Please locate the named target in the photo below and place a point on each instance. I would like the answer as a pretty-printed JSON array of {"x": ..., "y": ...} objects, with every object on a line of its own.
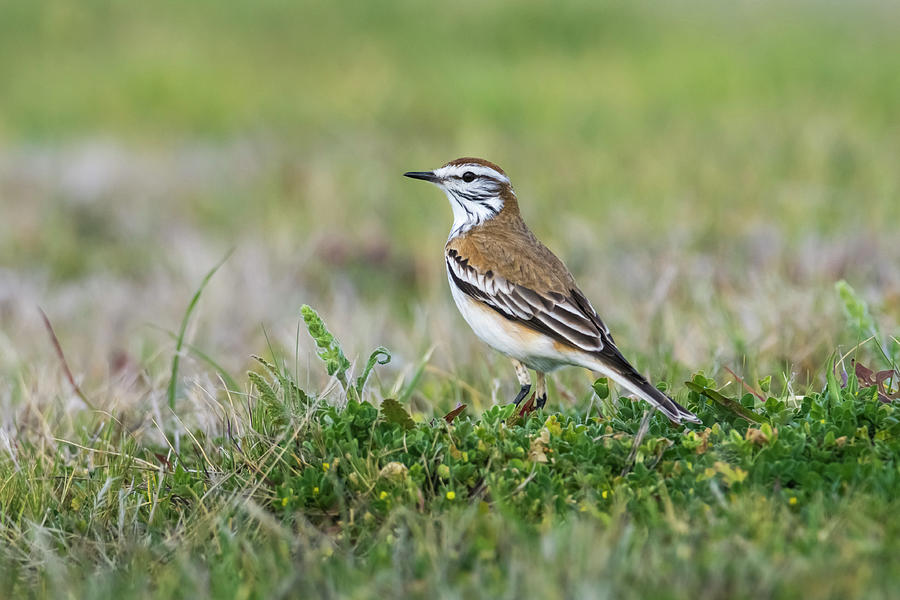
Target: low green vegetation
[
  {"x": 769, "y": 496},
  {"x": 721, "y": 179}
]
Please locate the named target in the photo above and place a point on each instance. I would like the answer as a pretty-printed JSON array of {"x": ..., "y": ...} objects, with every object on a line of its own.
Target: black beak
[{"x": 423, "y": 175}]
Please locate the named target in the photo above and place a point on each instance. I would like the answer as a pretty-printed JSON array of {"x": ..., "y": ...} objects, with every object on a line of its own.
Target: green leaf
[
  {"x": 601, "y": 388},
  {"x": 396, "y": 414}
]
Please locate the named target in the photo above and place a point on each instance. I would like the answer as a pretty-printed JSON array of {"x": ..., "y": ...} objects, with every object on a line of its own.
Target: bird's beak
[{"x": 423, "y": 175}]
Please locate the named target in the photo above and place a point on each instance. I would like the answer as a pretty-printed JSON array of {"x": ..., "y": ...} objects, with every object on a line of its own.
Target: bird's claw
[{"x": 523, "y": 391}]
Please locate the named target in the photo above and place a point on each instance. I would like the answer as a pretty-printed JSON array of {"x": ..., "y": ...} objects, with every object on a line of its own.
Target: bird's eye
[{"x": 468, "y": 176}]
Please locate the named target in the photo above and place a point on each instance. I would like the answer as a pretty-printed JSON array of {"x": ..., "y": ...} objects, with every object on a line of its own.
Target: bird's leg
[
  {"x": 540, "y": 391},
  {"x": 524, "y": 381}
]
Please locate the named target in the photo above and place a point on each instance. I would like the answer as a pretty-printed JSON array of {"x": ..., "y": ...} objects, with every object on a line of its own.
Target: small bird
[{"x": 517, "y": 296}]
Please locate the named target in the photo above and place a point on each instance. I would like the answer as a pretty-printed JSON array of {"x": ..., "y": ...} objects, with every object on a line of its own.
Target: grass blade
[
  {"x": 62, "y": 360},
  {"x": 179, "y": 342},
  {"x": 724, "y": 401}
]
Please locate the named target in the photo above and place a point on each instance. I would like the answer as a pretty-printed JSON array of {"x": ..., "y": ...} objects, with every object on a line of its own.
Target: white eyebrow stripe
[{"x": 480, "y": 170}]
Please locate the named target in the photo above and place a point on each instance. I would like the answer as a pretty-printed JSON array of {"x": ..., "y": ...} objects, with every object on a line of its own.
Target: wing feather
[{"x": 569, "y": 319}]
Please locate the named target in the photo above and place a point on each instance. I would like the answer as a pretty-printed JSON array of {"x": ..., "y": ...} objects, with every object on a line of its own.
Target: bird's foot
[
  {"x": 523, "y": 391},
  {"x": 541, "y": 401}
]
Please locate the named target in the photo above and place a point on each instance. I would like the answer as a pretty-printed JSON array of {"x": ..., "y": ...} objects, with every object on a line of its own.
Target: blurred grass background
[{"x": 707, "y": 172}]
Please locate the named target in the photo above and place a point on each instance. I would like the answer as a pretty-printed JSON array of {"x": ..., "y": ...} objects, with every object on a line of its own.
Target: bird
[{"x": 517, "y": 296}]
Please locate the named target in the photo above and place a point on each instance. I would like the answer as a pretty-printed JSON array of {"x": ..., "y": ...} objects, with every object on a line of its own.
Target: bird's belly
[{"x": 509, "y": 337}]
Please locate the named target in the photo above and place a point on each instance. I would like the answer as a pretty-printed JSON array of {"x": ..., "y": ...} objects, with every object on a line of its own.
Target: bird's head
[{"x": 477, "y": 189}]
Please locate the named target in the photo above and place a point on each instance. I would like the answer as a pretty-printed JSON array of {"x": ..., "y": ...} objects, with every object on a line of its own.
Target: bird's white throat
[{"x": 468, "y": 214}]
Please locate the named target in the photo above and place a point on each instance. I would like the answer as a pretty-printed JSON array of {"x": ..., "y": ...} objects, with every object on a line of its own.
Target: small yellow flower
[
  {"x": 792, "y": 500},
  {"x": 383, "y": 495},
  {"x": 284, "y": 501},
  {"x": 325, "y": 466},
  {"x": 604, "y": 493},
  {"x": 451, "y": 495},
  {"x": 316, "y": 491}
]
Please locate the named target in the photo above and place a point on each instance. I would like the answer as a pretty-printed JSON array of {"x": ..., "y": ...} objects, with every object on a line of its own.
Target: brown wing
[{"x": 563, "y": 314}]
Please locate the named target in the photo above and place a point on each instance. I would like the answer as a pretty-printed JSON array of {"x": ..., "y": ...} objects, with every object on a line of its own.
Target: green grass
[
  {"x": 293, "y": 494},
  {"x": 722, "y": 182}
]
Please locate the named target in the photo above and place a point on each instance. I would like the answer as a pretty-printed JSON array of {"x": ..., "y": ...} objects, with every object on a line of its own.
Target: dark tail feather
[
  {"x": 613, "y": 364},
  {"x": 674, "y": 411}
]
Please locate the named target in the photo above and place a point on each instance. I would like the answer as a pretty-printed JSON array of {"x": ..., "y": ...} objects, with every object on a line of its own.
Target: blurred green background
[{"x": 707, "y": 172}]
